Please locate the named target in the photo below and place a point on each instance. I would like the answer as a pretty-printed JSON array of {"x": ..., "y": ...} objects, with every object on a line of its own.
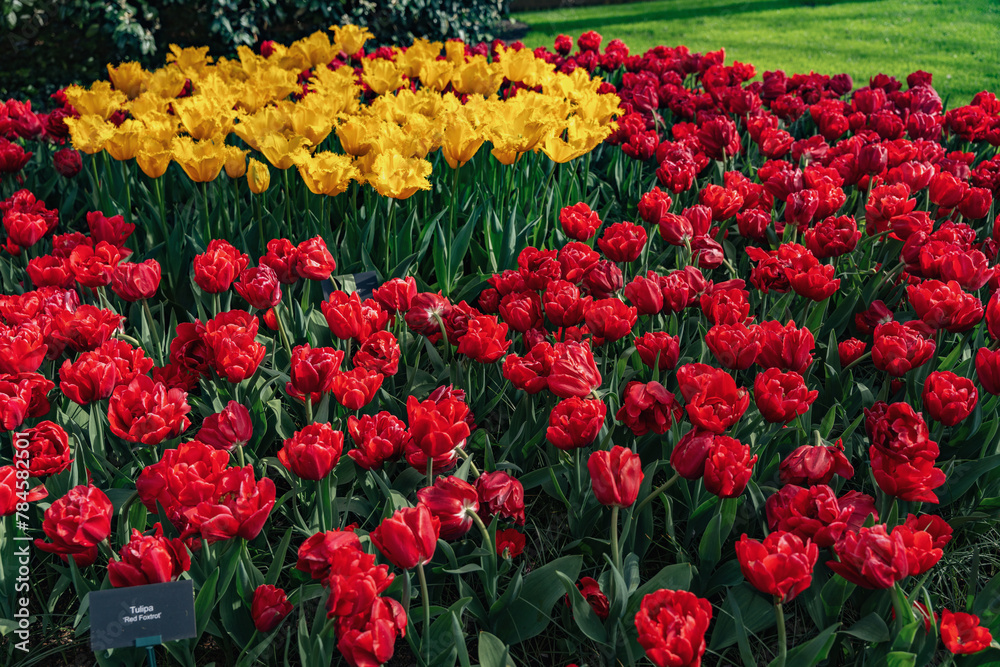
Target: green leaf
[
  {"x": 673, "y": 577},
  {"x": 963, "y": 476},
  {"x": 741, "y": 632},
  {"x": 757, "y": 612},
  {"x": 204, "y": 603},
  {"x": 493, "y": 652},
  {"x": 871, "y": 628},
  {"x": 813, "y": 651},
  {"x": 900, "y": 659},
  {"x": 583, "y": 613},
  {"x": 529, "y": 614}
]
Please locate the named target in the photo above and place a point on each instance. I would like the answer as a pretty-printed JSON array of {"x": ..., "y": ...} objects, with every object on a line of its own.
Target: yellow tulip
[
  {"x": 269, "y": 120},
  {"x": 461, "y": 141},
  {"x": 99, "y": 99},
  {"x": 350, "y": 38},
  {"x": 355, "y": 136},
  {"x": 236, "y": 162},
  {"x": 581, "y": 139},
  {"x": 381, "y": 75},
  {"x": 201, "y": 160},
  {"x": 399, "y": 177},
  {"x": 282, "y": 151},
  {"x": 166, "y": 82},
  {"x": 436, "y": 74},
  {"x": 258, "y": 176},
  {"x": 311, "y": 119},
  {"x": 89, "y": 133},
  {"x": 308, "y": 52},
  {"x": 123, "y": 144},
  {"x": 420, "y": 52},
  {"x": 154, "y": 156},
  {"x": 327, "y": 173},
  {"x": 477, "y": 76},
  {"x": 204, "y": 117},
  {"x": 191, "y": 60},
  {"x": 128, "y": 78},
  {"x": 455, "y": 52}
]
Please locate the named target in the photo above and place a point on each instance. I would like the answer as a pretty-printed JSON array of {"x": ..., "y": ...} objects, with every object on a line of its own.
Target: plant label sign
[{"x": 120, "y": 616}]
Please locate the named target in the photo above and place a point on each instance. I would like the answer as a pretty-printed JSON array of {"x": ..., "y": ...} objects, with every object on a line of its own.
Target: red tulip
[
  {"x": 485, "y": 341},
  {"x": 368, "y": 638},
  {"x": 871, "y": 557},
  {"x": 563, "y": 305},
  {"x": 654, "y": 205},
  {"x": 269, "y": 607},
  {"x": 354, "y": 582},
  {"x": 575, "y": 422},
  {"x": 672, "y": 627},
  {"x": 787, "y": 348},
  {"x": 377, "y": 439},
  {"x": 437, "y": 429},
  {"x": 356, "y": 388},
  {"x": 113, "y": 229},
  {"x": 645, "y": 294},
  {"x": 239, "y": 507},
  {"x": 282, "y": 257},
  {"x": 648, "y": 407},
  {"x": 76, "y": 524},
  {"x": 312, "y": 452},
  {"x": 924, "y": 537},
  {"x": 615, "y": 476},
  {"x": 781, "y": 565},
  {"x": 962, "y": 634},
  {"x": 259, "y": 287},
  {"x": 146, "y": 412},
  {"x": 316, "y": 552},
  {"x": 48, "y": 449},
  {"x": 945, "y": 306},
  {"x": 781, "y": 397},
  {"x": 67, "y": 162},
  {"x": 522, "y": 310},
  {"x": 813, "y": 513},
  {"x": 502, "y": 495},
  {"x": 728, "y": 467},
  {"x": 579, "y": 222},
  {"x": 595, "y": 597},
  {"x": 898, "y": 348},
  {"x": 313, "y": 370},
  {"x": 815, "y": 464},
  {"x": 949, "y": 398},
  {"x": 622, "y": 242},
  {"x": 227, "y": 429},
  {"x": 313, "y": 260},
  {"x": 149, "y": 559},
  {"x": 572, "y": 371},
  {"x": 735, "y": 346},
  {"x": 96, "y": 374},
  {"x": 134, "y": 282},
  {"x": 510, "y": 543},
  {"x": 217, "y": 267},
  {"x": 396, "y": 295},
  {"x": 453, "y": 502},
  {"x": 409, "y": 537},
  {"x": 230, "y": 338},
  {"x": 988, "y": 369},
  {"x": 914, "y": 479},
  {"x": 658, "y": 349}
]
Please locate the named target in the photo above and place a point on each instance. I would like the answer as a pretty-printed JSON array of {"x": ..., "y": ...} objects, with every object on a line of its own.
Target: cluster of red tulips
[{"x": 758, "y": 350}]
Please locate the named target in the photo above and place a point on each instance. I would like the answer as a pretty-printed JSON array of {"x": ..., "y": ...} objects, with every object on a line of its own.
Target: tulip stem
[
  {"x": 615, "y": 551},
  {"x": 281, "y": 329},
  {"x": 657, "y": 491},
  {"x": 465, "y": 455},
  {"x": 425, "y": 600},
  {"x": 779, "y": 616},
  {"x": 126, "y": 182},
  {"x": 321, "y": 501},
  {"x": 246, "y": 648},
  {"x": 288, "y": 202},
  {"x": 204, "y": 210},
  {"x": 309, "y": 410},
  {"x": 863, "y": 357}
]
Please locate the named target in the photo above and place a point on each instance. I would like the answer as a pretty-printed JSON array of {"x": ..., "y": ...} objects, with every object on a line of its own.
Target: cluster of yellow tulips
[{"x": 387, "y": 116}]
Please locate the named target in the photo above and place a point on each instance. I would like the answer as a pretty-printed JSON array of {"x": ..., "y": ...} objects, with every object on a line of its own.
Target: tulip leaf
[
  {"x": 871, "y": 628},
  {"x": 757, "y": 613},
  {"x": 530, "y": 613},
  {"x": 742, "y": 640},
  {"x": 900, "y": 659},
  {"x": 813, "y": 651},
  {"x": 963, "y": 476},
  {"x": 204, "y": 603},
  {"x": 493, "y": 652},
  {"x": 583, "y": 614}
]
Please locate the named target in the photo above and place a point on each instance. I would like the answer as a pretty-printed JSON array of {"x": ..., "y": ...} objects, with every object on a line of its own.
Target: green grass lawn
[{"x": 956, "y": 40}]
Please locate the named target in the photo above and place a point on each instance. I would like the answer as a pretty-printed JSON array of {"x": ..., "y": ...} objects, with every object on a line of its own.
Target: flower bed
[{"x": 657, "y": 359}]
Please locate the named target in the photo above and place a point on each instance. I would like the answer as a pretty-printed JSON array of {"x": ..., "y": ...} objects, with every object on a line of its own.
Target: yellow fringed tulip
[
  {"x": 258, "y": 176},
  {"x": 201, "y": 160}
]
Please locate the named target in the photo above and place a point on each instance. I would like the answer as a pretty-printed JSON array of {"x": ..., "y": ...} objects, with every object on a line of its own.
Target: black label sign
[{"x": 120, "y": 616}]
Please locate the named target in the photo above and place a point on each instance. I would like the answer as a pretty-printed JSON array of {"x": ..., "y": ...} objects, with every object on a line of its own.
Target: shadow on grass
[{"x": 639, "y": 12}]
